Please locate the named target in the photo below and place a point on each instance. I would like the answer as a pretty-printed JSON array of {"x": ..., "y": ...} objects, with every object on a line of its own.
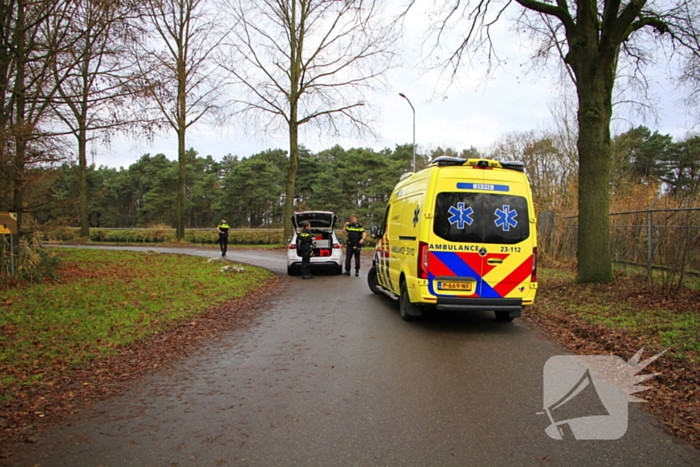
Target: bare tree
[
  {"x": 589, "y": 36},
  {"x": 305, "y": 61},
  {"x": 548, "y": 168},
  {"x": 179, "y": 75},
  {"x": 32, "y": 35},
  {"x": 91, "y": 98},
  {"x": 690, "y": 76},
  {"x": 564, "y": 131}
]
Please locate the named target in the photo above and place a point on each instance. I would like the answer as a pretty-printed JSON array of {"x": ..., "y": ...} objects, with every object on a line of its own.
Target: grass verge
[
  {"x": 103, "y": 301},
  {"x": 619, "y": 319},
  {"x": 629, "y": 305}
]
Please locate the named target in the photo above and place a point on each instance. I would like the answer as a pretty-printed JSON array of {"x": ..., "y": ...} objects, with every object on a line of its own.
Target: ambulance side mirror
[{"x": 374, "y": 232}]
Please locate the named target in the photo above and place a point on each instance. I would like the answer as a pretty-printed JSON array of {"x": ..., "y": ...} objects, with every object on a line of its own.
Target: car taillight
[
  {"x": 533, "y": 276},
  {"x": 292, "y": 246},
  {"x": 336, "y": 246},
  {"x": 422, "y": 260}
]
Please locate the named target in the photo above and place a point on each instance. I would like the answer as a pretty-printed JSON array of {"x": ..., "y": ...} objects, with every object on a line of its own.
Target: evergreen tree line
[
  {"x": 654, "y": 159},
  {"x": 249, "y": 192}
]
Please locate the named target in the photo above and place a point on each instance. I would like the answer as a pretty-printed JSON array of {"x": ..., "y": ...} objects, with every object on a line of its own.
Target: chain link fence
[{"x": 658, "y": 239}]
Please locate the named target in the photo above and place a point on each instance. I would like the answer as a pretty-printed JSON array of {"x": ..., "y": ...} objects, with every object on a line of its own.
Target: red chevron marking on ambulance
[{"x": 515, "y": 278}]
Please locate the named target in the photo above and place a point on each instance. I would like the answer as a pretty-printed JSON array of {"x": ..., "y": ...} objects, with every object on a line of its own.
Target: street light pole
[{"x": 414, "y": 129}]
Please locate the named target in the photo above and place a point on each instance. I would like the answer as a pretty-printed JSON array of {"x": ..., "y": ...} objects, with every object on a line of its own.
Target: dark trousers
[
  {"x": 352, "y": 250},
  {"x": 305, "y": 262},
  {"x": 223, "y": 243}
]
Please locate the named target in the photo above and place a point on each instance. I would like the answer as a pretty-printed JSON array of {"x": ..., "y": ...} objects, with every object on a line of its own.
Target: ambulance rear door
[
  {"x": 480, "y": 245},
  {"x": 509, "y": 234}
]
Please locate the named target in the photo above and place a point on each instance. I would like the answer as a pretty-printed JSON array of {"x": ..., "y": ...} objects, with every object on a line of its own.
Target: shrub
[
  {"x": 31, "y": 262},
  {"x": 202, "y": 236},
  {"x": 255, "y": 237},
  {"x": 98, "y": 235},
  {"x": 159, "y": 233},
  {"x": 163, "y": 233},
  {"x": 60, "y": 230}
]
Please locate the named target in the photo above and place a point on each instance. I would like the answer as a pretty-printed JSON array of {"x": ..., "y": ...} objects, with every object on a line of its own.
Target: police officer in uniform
[
  {"x": 222, "y": 228},
  {"x": 356, "y": 238},
  {"x": 304, "y": 245}
]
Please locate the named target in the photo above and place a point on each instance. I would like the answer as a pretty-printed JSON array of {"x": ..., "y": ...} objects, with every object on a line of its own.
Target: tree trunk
[
  {"x": 19, "y": 130},
  {"x": 18, "y": 184},
  {"x": 181, "y": 153},
  {"x": 593, "y": 254},
  {"x": 291, "y": 175},
  {"x": 595, "y": 68},
  {"x": 181, "y": 180},
  {"x": 82, "y": 182},
  {"x": 295, "y": 46}
]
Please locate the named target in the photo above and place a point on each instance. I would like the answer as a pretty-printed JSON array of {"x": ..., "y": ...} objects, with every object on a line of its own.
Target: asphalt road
[{"x": 331, "y": 376}]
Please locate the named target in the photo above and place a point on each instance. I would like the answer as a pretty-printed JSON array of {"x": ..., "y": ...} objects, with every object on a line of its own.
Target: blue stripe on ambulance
[{"x": 461, "y": 269}]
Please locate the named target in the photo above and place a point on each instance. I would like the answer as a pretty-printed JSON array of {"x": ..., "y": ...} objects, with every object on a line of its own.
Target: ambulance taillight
[
  {"x": 533, "y": 276},
  {"x": 422, "y": 260}
]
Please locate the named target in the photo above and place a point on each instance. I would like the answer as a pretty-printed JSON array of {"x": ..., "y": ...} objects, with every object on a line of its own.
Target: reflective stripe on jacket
[
  {"x": 355, "y": 232},
  {"x": 304, "y": 240}
]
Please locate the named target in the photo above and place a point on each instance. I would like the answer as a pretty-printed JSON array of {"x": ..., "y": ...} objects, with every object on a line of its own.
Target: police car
[{"x": 326, "y": 253}]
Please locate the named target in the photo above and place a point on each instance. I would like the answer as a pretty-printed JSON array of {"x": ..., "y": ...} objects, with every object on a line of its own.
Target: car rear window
[
  {"x": 316, "y": 220},
  {"x": 481, "y": 218}
]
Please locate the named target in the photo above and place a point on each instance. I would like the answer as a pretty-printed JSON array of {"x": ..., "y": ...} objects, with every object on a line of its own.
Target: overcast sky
[{"x": 474, "y": 112}]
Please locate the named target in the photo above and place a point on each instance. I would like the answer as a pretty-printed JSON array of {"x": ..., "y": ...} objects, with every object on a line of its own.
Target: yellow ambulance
[{"x": 458, "y": 235}]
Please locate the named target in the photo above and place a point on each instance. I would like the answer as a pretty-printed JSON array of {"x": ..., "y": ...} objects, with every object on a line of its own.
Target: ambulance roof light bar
[
  {"x": 447, "y": 160},
  {"x": 452, "y": 161},
  {"x": 513, "y": 165},
  {"x": 443, "y": 161}
]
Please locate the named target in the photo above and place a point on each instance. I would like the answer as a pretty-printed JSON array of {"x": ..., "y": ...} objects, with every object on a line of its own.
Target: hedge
[{"x": 160, "y": 234}]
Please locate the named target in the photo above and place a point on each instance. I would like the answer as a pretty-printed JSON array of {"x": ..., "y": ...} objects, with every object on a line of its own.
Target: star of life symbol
[
  {"x": 460, "y": 216},
  {"x": 415, "y": 215},
  {"x": 585, "y": 397},
  {"x": 505, "y": 218}
]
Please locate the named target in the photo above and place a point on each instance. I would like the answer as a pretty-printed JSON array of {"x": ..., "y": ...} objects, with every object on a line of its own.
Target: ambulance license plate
[{"x": 465, "y": 286}]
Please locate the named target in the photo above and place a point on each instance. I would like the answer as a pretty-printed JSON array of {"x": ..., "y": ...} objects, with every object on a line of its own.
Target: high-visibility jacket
[
  {"x": 355, "y": 232},
  {"x": 304, "y": 240},
  {"x": 224, "y": 228}
]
